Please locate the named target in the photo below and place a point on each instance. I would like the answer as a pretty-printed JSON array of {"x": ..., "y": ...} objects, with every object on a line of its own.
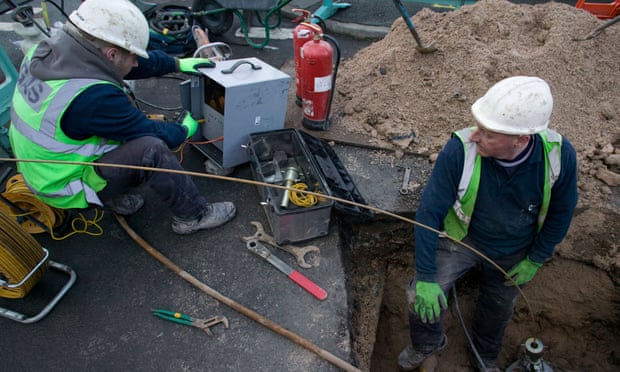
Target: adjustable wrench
[
  {"x": 298, "y": 252},
  {"x": 259, "y": 249}
]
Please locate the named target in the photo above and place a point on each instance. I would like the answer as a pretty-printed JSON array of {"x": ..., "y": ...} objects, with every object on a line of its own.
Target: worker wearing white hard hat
[
  {"x": 118, "y": 22},
  {"x": 70, "y": 105},
  {"x": 506, "y": 187}
]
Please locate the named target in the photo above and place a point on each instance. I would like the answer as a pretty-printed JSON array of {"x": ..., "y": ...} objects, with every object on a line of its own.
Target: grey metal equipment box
[
  {"x": 283, "y": 155},
  {"x": 237, "y": 97}
]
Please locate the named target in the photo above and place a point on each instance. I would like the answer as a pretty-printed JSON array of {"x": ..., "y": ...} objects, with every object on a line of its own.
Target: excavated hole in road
[{"x": 575, "y": 307}]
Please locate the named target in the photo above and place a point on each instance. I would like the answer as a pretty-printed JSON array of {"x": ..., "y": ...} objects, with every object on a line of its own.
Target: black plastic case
[{"x": 274, "y": 155}]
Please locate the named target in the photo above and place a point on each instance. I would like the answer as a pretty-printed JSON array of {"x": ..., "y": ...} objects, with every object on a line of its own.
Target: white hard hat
[
  {"x": 517, "y": 105},
  {"x": 118, "y": 22}
]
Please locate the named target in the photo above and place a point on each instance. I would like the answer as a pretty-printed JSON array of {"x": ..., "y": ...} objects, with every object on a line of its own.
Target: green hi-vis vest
[
  {"x": 457, "y": 221},
  {"x": 35, "y": 133}
]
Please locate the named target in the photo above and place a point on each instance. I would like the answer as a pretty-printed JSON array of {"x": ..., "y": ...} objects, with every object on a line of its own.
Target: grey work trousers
[
  {"x": 177, "y": 191},
  {"x": 494, "y": 306}
]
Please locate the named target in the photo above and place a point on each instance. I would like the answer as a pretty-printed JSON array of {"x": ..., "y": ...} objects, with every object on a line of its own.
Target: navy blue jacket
[
  {"x": 106, "y": 111},
  {"x": 504, "y": 220}
]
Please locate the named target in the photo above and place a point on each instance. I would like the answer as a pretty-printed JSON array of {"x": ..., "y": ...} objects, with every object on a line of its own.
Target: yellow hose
[{"x": 20, "y": 253}]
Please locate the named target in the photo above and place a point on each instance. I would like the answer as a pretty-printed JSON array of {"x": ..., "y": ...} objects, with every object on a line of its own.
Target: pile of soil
[{"x": 398, "y": 98}]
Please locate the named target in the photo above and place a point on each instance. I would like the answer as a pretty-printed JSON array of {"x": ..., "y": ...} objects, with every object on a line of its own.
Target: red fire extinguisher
[
  {"x": 318, "y": 78},
  {"x": 302, "y": 33}
]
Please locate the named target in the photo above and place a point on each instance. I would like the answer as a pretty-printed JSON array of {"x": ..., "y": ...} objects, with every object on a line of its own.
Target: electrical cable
[
  {"x": 301, "y": 199},
  {"x": 130, "y": 92},
  {"x": 18, "y": 194},
  {"x": 152, "y": 105},
  {"x": 190, "y": 142},
  {"x": 334, "y": 198},
  {"x": 20, "y": 254},
  {"x": 467, "y": 335},
  {"x": 24, "y": 15}
]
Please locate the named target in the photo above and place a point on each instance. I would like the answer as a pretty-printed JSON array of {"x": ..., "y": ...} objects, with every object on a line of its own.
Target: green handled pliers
[{"x": 181, "y": 318}]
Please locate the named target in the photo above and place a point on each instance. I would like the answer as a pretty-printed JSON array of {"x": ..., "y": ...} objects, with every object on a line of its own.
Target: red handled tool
[{"x": 259, "y": 249}]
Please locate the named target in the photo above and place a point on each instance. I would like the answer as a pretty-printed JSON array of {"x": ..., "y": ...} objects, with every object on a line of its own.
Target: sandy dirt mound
[
  {"x": 402, "y": 99},
  {"x": 398, "y": 98}
]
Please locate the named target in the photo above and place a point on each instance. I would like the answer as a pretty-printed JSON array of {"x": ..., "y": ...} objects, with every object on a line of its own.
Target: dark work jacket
[
  {"x": 102, "y": 110},
  {"x": 106, "y": 111},
  {"x": 504, "y": 220}
]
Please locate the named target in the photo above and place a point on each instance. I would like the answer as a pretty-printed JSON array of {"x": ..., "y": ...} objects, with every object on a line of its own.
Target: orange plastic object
[{"x": 601, "y": 9}]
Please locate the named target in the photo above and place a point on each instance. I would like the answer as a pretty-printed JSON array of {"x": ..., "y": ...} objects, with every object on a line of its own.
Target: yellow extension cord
[
  {"x": 20, "y": 253},
  {"x": 302, "y": 199},
  {"x": 20, "y": 195}
]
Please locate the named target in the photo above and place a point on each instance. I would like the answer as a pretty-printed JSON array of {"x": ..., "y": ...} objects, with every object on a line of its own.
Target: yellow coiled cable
[
  {"x": 20, "y": 253},
  {"x": 301, "y": 199},
  {"x": 20, "y": 195}
]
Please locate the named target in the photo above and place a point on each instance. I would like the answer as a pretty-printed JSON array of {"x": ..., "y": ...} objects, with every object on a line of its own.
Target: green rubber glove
[
  {"x": 429, "y": 301},
  {"x": 190, "y": 123},
  {"x": 190, "y": 65},
  {"x": 522, "y": 272}
]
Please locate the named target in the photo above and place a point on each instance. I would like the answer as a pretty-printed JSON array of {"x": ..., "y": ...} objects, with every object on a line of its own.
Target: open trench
[{"x": 572, "y": 307}]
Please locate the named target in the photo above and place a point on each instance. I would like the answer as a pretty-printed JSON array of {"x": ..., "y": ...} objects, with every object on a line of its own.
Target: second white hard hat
[
  {"x": 118, "y": 22},
  {"x": 517, "y": 105}
]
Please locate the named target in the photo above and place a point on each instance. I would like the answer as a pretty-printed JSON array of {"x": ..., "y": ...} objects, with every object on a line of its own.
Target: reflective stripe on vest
[
  {"x": 457, "y": 221},
  {"x": 35, "y": 133},
  {"x": 57, "y": 105}
]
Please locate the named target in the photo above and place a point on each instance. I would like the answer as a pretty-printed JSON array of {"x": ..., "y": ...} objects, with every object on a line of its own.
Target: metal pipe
[{"x": 290, "y": 175}]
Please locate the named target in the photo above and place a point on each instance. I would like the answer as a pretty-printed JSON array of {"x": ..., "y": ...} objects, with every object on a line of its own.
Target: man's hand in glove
[
  {"x": 189, "y": 123},
  {"x": 190, "y": 65},
  {"x": 522, "y": 272},
  {"x": 429, "y": 301}
]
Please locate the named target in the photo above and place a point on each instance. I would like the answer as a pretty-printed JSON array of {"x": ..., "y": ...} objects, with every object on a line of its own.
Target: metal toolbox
[
  {"x": 281, "y": 157},
  {"x": 237, "y": 97}
]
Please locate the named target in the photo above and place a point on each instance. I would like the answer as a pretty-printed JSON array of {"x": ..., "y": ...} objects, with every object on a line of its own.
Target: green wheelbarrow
[{"x": 217, "y": 16}]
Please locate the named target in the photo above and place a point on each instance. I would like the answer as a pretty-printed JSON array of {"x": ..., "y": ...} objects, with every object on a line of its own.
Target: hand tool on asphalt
[
  {"x": 244, "y": 310},
  {"x": 298, "y": 252},
  {"x": 204, "y": 324},
  {"x": 259, "y": 249},
  {"x": 421, "y": 48},
  {"x": 404, "y": 189}
]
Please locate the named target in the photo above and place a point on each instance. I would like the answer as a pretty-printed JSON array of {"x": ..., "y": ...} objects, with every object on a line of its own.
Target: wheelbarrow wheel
[{"x": 218, "y": 22}]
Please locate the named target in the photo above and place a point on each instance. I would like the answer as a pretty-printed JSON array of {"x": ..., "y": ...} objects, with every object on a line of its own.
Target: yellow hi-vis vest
[
  {"x": 456, "y": 223},
  {"x": 35, "y": 133}
]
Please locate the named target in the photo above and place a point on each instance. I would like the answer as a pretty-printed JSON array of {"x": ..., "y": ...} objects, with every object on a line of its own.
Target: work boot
[
  {"x": 213, "y": 215},
  {"x": 125, "y": 204},
  {"x": 410, "y": 359}
]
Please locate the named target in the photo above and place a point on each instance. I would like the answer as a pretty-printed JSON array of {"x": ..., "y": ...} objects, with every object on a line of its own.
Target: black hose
[
  {"x": 24, "y": 15},
  {"x": 336, "y": 64},
  {"x": 467, "y": 335}
]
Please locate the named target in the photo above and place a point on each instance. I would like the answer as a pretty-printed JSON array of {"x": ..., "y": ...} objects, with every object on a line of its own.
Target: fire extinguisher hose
[{"x": 336, "y": 64}]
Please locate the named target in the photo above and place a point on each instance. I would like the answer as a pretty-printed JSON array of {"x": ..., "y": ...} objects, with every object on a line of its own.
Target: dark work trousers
[
  {"x": 177, "y": 191},
  {"x": 494, "y": 306}
]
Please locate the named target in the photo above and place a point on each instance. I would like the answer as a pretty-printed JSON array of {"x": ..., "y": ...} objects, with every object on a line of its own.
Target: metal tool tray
[{"x": 271, "y": 154}]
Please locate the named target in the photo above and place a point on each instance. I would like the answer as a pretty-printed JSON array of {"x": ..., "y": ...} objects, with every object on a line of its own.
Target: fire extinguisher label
[{"x": 322, "y": 84}]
